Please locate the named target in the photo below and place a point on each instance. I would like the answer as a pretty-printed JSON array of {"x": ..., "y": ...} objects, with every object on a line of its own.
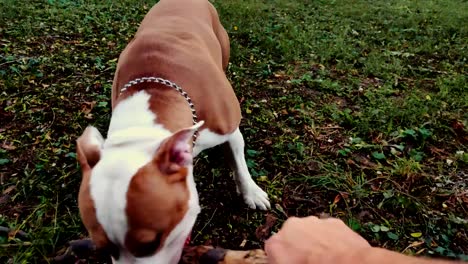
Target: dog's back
[{"x": 184, "y": 41}]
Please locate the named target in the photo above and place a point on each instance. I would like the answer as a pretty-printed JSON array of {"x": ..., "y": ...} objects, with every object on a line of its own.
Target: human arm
[{"x": 311, "y": 240}]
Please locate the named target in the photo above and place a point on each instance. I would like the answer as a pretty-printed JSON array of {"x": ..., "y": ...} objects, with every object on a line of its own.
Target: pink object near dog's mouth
[{"x": 187, "y": 241}]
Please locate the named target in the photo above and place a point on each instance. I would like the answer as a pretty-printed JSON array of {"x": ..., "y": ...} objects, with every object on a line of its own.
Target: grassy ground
[{"x": 356, "y": 109}]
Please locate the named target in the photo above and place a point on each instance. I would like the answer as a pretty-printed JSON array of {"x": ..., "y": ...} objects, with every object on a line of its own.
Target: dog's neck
[
  {"x": 135, "y": 135},
  {"x": 157, "y": 105}
]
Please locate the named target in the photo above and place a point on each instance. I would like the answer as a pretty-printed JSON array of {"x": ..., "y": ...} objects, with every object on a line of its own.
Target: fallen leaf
[
  {"x": 9, "y": 189},
  {"x": 87, "y": 107},
  {"x": 416, "y": 234},
  {"x": 375, "y": 228},
  {"x": 337, "y": 199},
  {"x": 384, "y": 229},
  {"x": 365, "y": 162},
  {"x": 5, "y": 199},
  {"x": 263, "y": 231},
  {"x": 392, "y": 236},
  {"x": 243, "y": 243},
  {"x": 378, "y": 155},
  {"x": 8, "y": 146},
  {"x": 279, "y": 75},
  {"x": 420, "y": 251},
  {"x": 263, "y": 178},
  {"x": 279, "y": 208},
  {"x": 458, "y": 126}
]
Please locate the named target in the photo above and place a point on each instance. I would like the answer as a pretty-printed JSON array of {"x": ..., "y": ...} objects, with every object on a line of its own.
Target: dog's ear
[
  {"x": 88, "y": 147},
  {"x": 175, "y": 152}
]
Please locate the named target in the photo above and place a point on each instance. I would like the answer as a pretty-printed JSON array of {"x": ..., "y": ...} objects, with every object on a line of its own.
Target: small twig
[
  {"x": 210, "y": 255},
  {"x": 6, "y": 231},
  {"x": 7, "y": 62},
  {"x": 16, "y": 245},
  {"x": 207, "y": 223},
  {"x": 15, "y": 60},
  {"x": 299, "y": 199},
  {"x": 331, "y": 127},
  {"x": 77, "y": 249}
]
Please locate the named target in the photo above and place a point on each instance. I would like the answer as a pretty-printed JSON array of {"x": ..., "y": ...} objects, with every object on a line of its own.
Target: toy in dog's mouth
[{"x": 85, "y": 249}]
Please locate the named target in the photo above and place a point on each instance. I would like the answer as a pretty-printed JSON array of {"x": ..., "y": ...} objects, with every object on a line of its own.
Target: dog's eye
[{"x": 147, "y": 249}]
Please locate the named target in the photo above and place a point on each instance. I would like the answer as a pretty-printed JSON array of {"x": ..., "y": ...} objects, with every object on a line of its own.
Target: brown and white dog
[{"x": 138, "y": 198}]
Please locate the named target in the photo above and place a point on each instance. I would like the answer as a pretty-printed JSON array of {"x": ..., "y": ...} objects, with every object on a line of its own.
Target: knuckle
[
  {"x": 292, "y": 220},
  {"x": 335, "y": 221}
]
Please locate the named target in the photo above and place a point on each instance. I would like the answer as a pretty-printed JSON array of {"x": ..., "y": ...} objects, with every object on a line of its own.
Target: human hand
[{"x": 312, "y": 240}]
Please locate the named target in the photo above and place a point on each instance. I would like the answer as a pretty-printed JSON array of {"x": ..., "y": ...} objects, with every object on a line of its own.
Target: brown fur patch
[
  {"x": 88, "y": 214},
  {"x": 156, "y": 203},
  {"x": 88, "y": 156}
]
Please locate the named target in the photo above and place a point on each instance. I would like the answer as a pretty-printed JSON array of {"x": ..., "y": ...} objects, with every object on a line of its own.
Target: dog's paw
[{"x": 255, "y": 197}]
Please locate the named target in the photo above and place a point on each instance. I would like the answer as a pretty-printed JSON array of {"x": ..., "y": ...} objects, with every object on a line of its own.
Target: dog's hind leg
[{"x": 253, "y": 195}]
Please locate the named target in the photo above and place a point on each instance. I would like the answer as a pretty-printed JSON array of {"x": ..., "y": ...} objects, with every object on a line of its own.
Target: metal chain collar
[{"x": 172, "y": 85}]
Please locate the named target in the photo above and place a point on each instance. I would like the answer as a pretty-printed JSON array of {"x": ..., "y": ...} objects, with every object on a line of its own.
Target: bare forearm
[{"x": 383, "y": 256}]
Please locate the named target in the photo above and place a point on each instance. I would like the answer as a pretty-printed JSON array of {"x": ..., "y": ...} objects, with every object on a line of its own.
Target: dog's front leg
[{"x": 253, "y": 195}]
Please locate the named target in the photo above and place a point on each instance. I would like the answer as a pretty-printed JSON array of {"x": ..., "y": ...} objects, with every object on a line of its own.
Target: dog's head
[{"x": 138, "y": 200}]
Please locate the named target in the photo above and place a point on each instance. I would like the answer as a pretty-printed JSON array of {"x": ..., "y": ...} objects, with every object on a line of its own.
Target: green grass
[{"x": 357, "y": 109}]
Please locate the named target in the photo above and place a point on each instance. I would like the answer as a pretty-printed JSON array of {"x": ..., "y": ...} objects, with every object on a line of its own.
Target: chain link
[{"x": 169, "y": 84}]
